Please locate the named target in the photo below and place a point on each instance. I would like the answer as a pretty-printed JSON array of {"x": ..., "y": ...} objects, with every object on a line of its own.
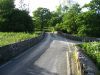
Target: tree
[
  {"x": 14, "y": 20},
  {"x": 17, "y": 21},
  {"x": 6, "y": 5},
  {"x": 65, "y": 9},
  {"x": 89, "y": 22},
  {"x": 59, "y": 10},
  {"x": 43, "y": 16},
  {"x": 69, "y": 19},
  {"x": 55, "y": 19},
  {"x": 82, "y": 23},
  {"x": 93, "y": 5},
  {"x": 58, "y": 14}
]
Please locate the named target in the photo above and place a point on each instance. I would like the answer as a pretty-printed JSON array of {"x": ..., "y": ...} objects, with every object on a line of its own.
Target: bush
[
  {"x": 16, "y": 21},
  {"x": 88, "y": 22},
  {"x": 93, "y": 51}
]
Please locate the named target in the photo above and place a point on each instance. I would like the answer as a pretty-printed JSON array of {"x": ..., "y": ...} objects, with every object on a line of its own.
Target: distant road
[{"x": 46, "y": 58}]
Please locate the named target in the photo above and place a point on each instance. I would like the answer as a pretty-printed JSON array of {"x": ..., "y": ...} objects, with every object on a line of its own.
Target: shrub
[
  {"x": 93, "y": 51},
  {"x": 16, "y": 21}
]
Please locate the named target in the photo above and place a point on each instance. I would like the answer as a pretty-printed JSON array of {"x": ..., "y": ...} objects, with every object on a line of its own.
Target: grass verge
[{"x": 13, "y": 37}]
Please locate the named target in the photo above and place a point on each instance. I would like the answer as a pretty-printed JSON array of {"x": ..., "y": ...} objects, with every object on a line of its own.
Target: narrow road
[{"x": 46, "y": 58}]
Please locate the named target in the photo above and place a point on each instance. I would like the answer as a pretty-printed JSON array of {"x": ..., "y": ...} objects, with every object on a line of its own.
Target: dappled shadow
[{"x": 36, "y": 70}]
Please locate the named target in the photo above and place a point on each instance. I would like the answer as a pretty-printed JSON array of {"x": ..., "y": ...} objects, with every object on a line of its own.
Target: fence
[
  {"x": 77, "y": 38},
  {"x": 9, "y": 51}
]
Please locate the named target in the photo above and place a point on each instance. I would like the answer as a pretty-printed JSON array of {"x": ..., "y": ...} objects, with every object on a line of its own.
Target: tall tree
[
  {"x": 69, "y": 19},
  {"x": 55, "y": 19},
  {"x": 57, "y": 16},
  {"x": 89, "y": 21},
  {"x": 12, "y": 19},
  {"x": 93, "y": 5},
  {"x": 43, "y": 16},
  {"x": 6, "y": 7},
  {"x": 59, "y": 10},
  {"x": 6, "y": 4}
]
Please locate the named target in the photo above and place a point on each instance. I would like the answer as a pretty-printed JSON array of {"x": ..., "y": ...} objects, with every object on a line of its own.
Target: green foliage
[
  {"x": 59, "y": 10},
  {"x": 69, "y": 19},
  {"x": 12, "y": 37},
  {"x": 93, "y": 51},
  {"x": 42, "y": 16},
  {"x": 14, "y": 20},
  {"x": 82, "y": 23},
  {"x": 61, "y": 27},
  {"x": 93, "y": 5},
  {"x": 55, "y": 18},
  {"x": 6, "y": 5},
  {"x": 88, "y": 22}
]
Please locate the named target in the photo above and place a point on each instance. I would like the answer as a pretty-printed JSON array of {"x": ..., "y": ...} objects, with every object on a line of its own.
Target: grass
[
  {"x": 13, "y": 37},
  {"x": 76, "y": 63},
  {"x": 93, "y": 51}
]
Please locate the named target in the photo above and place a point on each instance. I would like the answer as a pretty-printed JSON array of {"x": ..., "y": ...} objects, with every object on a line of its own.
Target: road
[{"x": 46, "y": 58}]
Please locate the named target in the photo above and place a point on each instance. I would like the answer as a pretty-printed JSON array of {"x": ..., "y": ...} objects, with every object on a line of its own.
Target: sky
[
  {"x": 50, "y": 4},
  {"x": 82, "y": 2}
]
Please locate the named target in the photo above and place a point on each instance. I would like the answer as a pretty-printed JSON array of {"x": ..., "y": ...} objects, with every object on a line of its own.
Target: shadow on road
[
  {"x": 36, "y": 70},
  {"x": 53, "y": 47}
]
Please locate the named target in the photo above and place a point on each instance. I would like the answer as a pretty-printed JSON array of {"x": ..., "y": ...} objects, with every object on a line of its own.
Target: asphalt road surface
[{"x": 46, "y": 58}]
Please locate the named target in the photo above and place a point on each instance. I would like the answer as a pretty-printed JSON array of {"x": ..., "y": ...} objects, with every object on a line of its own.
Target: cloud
[
  {"x": 50, "y": 4},
  {"x": 82, "y": 2}
]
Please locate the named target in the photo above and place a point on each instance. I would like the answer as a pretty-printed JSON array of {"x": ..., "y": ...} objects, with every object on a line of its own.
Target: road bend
[{"x": 46, "y": 58}]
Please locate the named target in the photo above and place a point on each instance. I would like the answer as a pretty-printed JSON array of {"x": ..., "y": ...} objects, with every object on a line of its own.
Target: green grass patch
[
  {"x": 93, "y": 51},
  {"x": 13, "y": 37}
]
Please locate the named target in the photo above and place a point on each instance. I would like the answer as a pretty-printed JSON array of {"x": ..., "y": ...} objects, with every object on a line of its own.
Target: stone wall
[
  {"x": 9, "y": 51},
  {"x": 77, "y": 38}
]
